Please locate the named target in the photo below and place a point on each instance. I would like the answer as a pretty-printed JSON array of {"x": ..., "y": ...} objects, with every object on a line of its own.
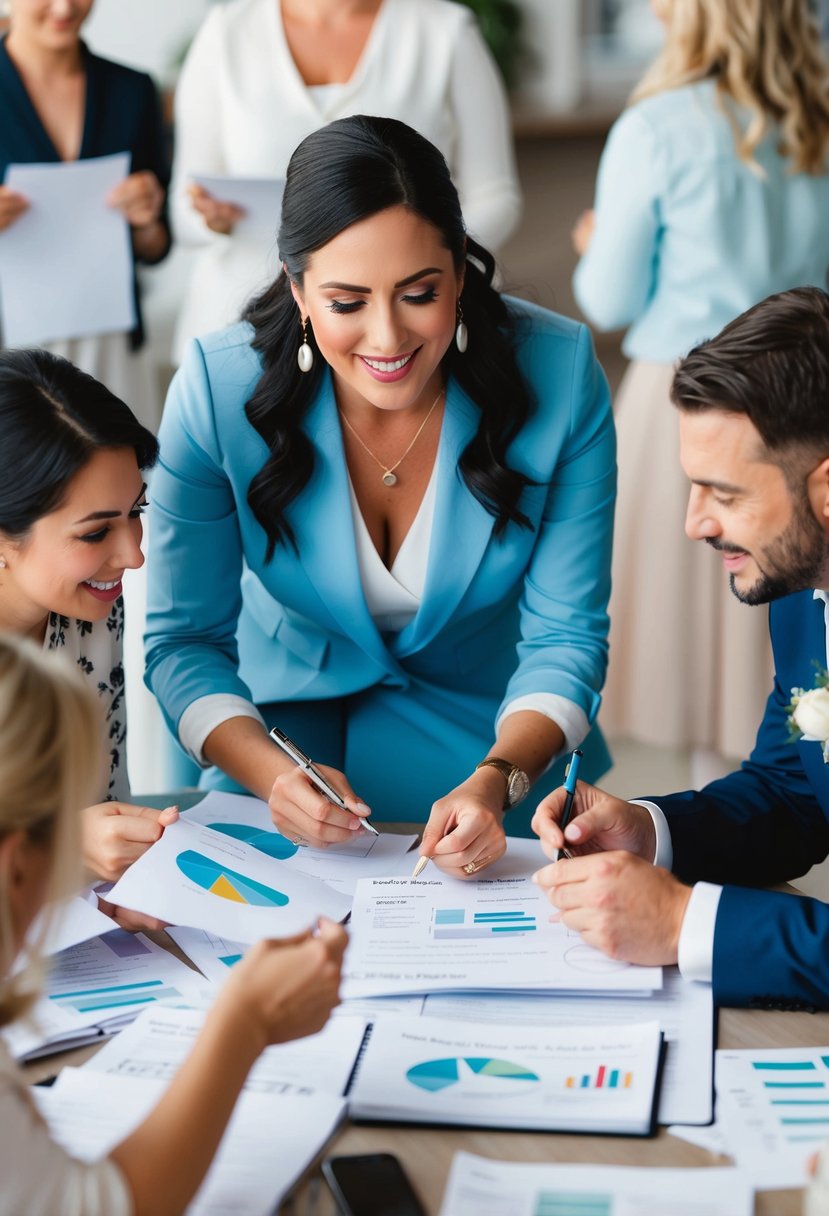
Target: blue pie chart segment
[
  {"x": 272, "y": 843},
  {"x": 228, "y": 884},
  {"x": 501, "y": 1075}
]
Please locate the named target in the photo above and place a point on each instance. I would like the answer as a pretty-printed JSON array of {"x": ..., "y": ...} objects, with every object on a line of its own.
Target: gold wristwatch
[{"x": 518, "y": 783}]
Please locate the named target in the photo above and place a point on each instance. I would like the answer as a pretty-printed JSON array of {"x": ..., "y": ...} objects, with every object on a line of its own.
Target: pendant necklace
[{"x": 389, "y": 475}]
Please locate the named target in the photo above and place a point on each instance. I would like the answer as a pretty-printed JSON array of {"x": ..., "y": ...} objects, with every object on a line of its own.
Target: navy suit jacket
[{"x": 767, "y": 823}]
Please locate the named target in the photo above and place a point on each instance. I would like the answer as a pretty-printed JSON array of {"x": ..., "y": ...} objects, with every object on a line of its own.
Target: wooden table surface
[{"x": 426, "y": 1153}]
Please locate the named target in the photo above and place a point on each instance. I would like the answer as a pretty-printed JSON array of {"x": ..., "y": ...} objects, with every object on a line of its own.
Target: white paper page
[
  {"x": 709, "y": 1138},
  {"x": 440, "y": 934},
  {"x": 371, "y": 1008},
  {"x": 773, "y": 1108},
  {"x": 259, "y": 197},
  {"x": 199, "y": 877},
  {"x": 212, "y": 954},
  {"x": 116, "y": 974},
  {"x": 269, "y": 1141},
  {"x": 249, "y": 819},
  {"x": 478, "y": 1187},
  {"x": 66, "y": 263},
  {"x": 684, "y": 1010},
  {"x": 44, "y": 1023},
  {"x": 472, "y": 1074},
  {"x": 157, "y": 1042},
  {"x": 72, "y": 922}
]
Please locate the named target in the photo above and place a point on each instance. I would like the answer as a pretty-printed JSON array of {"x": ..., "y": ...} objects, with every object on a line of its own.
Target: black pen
[
  {"x": 312, "y": 772},
  {"x": 571, "y": 775}
]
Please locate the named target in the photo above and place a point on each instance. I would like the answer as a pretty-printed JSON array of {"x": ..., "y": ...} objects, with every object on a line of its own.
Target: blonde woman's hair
[
  {"x": 50, "y": 762},
  {"x": 765, "y": 56}
]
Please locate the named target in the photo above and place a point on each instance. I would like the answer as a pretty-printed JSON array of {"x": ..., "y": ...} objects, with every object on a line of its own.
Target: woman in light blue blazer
[
  {"x": 382, "y": 519},
  {"x": 712, "y": 193}
]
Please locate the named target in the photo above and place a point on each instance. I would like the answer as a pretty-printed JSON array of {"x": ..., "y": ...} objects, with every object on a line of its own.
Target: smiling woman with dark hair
[
  {"x": 71, "y": 497},
  {"x": 382, "y": 518}
]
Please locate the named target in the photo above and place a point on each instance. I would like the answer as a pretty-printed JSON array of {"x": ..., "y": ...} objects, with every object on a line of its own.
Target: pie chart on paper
[
  {"x": 273, "y": 843},
  {"x": 472, "y": 1076},
  {"x": 228, "y": 884}
]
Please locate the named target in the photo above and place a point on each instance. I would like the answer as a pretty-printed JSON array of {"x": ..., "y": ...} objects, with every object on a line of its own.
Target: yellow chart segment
[{"x": 227, "y": 890}]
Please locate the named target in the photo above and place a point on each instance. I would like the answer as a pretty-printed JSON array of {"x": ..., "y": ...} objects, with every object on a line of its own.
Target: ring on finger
[
  {"x": 472, "y": 867},
  {"x": 298, "y": 840}
]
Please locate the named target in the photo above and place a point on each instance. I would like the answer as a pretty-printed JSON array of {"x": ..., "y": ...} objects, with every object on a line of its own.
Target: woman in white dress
[
  {"x": 263, "y": 74},
  {"x": 713, "y": 192}
]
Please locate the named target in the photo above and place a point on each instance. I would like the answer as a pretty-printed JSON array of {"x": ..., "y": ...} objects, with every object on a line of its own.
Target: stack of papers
[
  {"x": 97, "y": 987},
  {"x": 270, "y": 1140},
  {"x": 422, "y": 1070}
]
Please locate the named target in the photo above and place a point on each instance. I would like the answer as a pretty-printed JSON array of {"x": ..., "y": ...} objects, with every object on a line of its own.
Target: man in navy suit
[{"x": 754, "y": 433}]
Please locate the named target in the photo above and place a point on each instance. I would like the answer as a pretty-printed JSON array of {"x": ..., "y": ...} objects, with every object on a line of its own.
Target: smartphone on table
[{"x": 371, "y": 1185}]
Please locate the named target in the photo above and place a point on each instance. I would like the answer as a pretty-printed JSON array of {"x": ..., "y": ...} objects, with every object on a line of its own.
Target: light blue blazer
[
  {"x": 408, "y": 715},
  {"x": 688, "y": 235}
]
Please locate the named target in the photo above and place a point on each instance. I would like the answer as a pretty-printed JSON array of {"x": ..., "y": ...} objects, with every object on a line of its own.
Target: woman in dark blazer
[{"x": 62, "y": 103}]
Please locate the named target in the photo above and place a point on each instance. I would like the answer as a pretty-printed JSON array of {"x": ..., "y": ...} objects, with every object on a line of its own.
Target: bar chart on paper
[
  {"x": 226, "y": 883},
  {"x": 572, "y": 1203},
  {"x": 464, "y": 923},
  {"x": 774, "y": 1107},
  {"x": 602, "y": 1078}
]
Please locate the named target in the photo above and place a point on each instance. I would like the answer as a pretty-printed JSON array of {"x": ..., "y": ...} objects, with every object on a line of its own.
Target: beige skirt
[{"x": 690, "y": 666}]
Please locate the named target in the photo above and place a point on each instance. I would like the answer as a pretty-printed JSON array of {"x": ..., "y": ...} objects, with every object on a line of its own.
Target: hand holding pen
[
  {"x": 571, "y": 776},
  {"x": 298, "y": 810}
]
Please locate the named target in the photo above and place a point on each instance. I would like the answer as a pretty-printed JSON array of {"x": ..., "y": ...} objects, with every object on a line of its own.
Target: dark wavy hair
[
  {"x": 339, "y": 175},
  {"x": 772, "y": 364},
  {"x": 53, "y": 418}
]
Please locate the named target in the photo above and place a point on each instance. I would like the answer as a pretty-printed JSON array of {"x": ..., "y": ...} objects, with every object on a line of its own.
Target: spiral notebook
[{"x": 595, "y": 1079}]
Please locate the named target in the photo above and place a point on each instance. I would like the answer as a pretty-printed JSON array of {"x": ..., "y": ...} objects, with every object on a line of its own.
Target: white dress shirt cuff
[
  {"x": 696, "y": 937},
  {"x": 664, "y": 854},
  {"x": 565, "y": 713},
  {"x": 204, "y": 715}
]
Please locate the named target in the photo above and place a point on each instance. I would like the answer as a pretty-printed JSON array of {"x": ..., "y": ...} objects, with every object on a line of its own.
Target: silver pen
[{"x": 304, "y": 762}]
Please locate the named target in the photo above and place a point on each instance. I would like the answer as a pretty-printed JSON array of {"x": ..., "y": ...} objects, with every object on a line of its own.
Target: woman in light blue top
[
  {"x": 712, "y": 193},
  {"x": 382, "y": 519}
]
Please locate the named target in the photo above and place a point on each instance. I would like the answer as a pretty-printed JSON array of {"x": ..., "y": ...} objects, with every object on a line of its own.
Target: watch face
[{"x": 518, "y": 787}]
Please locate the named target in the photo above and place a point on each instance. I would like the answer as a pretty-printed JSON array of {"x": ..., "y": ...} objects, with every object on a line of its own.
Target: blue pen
[{"x": 571, "y": 776}]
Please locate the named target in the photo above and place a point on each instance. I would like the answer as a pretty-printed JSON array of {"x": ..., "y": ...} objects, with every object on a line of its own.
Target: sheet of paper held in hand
[
  {"x": 478, "y": 1187},
  {"x": 363, "y": 856},
  {"x": 66, "y": 263},
  {"x": 270, "y": 1139},
  {"x": 197, "y": 876},
  {"x": 574, "y": 1078},
  {"x": 259, "y": 197},
  {"x": 442, "y": 934}
]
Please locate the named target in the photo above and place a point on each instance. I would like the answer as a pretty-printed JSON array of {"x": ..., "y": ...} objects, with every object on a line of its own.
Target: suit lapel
[{"x": 461, "y": 530}]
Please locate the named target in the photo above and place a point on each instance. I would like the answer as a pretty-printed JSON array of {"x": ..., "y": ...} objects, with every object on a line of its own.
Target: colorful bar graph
[
  {"x": 455, "y": 923},
  {"x": 605, "y": 1078},
  {"x": 784, "y": 1065}
]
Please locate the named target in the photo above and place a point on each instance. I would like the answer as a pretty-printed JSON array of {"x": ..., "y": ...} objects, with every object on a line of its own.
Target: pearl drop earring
[
  {"x": 2, "y": 563},
  {"x": 461, "y": 332},
  {"x": 305, "y": 355}
]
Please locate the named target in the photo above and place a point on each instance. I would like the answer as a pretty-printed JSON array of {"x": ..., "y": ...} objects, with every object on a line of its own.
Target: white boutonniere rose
[{"x": 809, "y": 714}]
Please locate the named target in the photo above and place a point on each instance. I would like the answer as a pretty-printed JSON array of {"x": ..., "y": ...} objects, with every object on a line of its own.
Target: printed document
[
  {"x": 197, "y": 876},
  {"x": 421, "y": 1070},
  {"x": 478, "y": 1187},
  {"x": 270, "y": 1139},
  {"x": 438, "y": 934},
  {"x": 66, "y": 263}
]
